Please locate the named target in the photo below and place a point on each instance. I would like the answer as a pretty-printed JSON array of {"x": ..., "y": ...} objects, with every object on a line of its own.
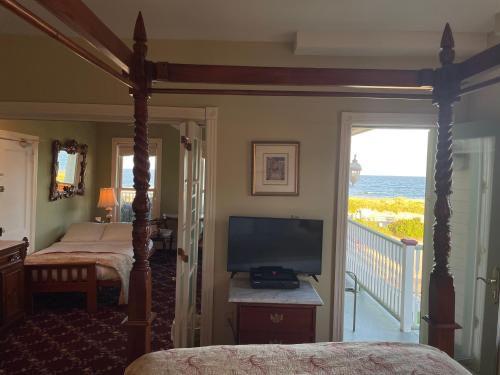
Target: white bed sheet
[{"x": 114, "y": 259}]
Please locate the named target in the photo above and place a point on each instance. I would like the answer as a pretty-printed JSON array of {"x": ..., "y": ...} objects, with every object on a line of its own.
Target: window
[{"x": 123, "y": 177}]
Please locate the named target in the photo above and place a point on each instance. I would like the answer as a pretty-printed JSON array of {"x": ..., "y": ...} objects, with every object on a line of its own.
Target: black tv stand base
[{"x": 273, "y": 278}]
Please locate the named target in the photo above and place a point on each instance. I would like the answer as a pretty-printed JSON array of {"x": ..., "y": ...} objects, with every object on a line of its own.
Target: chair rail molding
[
  {"x": 350, "y": 120},
  {"x": 207, "y": 116}
]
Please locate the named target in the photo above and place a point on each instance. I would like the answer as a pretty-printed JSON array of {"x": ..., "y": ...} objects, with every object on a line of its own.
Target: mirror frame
[{"x": 71, "y": 147}]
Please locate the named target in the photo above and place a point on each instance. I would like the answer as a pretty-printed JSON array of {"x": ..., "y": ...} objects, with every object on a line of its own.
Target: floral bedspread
[{"x": 346, "y": 358}]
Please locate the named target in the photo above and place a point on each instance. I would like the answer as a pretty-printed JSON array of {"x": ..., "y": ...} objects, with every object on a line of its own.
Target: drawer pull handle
[
  {"x": 276, "y": 318},
  {"x": 14, "y": 258},
  {"x": 273, "y": 341}
]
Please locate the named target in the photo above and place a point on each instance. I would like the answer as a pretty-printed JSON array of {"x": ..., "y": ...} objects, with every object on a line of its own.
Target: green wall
[
  {"x": 52, "y": 218},
  {"x": 170, "y": 160}
]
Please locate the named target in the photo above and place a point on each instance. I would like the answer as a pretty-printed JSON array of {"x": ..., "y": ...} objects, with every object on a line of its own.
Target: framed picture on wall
[{"x": 275, "y": 168}]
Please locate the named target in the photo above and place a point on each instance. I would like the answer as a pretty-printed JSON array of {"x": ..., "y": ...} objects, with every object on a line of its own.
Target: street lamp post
[{"x": 355, "y": 169}]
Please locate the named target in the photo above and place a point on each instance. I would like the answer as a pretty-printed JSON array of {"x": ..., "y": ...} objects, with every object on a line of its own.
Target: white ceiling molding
[
  {"x": 108, "y": 113},
  {"x": 393, "y": 44}
]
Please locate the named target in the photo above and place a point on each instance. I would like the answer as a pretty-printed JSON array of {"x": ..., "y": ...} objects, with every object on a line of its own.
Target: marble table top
[
  {"x": 240, "y": 291},
  {"x": 5, "y": 244}
]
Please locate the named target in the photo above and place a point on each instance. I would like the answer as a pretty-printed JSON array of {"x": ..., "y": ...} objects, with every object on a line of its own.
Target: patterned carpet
[{"x": 61, "y": 338}]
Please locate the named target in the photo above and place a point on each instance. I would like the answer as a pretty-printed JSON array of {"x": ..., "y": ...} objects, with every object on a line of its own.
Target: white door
[
  {"x": 190, "y": 191},
  {"x": 474, "y": 256},
  {"x": 16, "y": 189}
]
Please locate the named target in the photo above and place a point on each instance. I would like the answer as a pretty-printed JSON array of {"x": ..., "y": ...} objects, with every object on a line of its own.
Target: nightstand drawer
[
  {"x": 249, "y": 337},
  {"x": 276, "y": 318},
  {"x": 11, "y": 256}
]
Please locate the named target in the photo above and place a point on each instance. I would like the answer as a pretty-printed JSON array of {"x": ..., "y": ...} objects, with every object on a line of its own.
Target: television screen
[{"x": 268, "y": 242}]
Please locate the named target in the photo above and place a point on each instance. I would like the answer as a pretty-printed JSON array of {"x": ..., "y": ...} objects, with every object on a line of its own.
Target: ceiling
[{"x": 277, "y": 20}]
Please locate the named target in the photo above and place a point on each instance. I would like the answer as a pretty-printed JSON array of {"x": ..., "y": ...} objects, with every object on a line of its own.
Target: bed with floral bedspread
[{"x": 346, "y": 358}]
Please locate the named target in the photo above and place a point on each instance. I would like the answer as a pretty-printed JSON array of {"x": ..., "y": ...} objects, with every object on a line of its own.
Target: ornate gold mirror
[{"x": 69, "y": 161}]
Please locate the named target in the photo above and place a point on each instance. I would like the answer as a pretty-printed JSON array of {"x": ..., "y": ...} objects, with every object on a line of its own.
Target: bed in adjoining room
[
  {"x": 346, "y": 358},
  {"x": 89, "y": 255}
]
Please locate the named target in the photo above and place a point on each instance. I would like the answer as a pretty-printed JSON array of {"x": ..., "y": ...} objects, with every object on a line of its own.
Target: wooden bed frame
[
  {"x": 444, "y": 88},
  {"x": 72, "y": 277}
]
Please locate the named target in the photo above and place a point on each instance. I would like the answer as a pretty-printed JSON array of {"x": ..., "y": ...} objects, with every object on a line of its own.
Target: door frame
[
  {"x": 157, "y": 115},
  {"x": 34, "y": 141},
  {"x": 348, "y": 121}
]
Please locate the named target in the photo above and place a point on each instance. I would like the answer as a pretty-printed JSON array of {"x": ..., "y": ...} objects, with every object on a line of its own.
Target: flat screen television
[{"x": 270, "y": 242}]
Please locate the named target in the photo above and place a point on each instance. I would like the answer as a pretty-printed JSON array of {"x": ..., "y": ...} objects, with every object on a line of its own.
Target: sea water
[{"x": 388, "y": 187}]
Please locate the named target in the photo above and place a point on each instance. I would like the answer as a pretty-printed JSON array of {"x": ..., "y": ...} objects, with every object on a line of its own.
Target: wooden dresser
[
  {"x": 274, "y": 316},
  {"x": 12, "y": 254}
]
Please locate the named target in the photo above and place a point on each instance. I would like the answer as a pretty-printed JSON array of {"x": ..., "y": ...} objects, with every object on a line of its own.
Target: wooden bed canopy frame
[{"x": 444, "y": 86}]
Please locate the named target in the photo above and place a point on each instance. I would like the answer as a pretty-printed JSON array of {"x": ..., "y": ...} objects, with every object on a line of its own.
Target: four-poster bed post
[
  {"x": 138, "y": 74},
  {"x": 441, "y": 318},
  {"x": 140, "y": 316}
]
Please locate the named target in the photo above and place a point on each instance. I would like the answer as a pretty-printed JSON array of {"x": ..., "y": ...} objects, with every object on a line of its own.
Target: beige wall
[
  {"x": 54, "y": 217},
  {"x": 312, "y": 121}
]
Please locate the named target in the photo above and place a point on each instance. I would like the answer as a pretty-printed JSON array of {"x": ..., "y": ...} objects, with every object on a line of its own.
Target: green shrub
[
  {"x": 395, "y": 205},
  {"x": 404, "y": 228},
  {"x": 407, "y": 228},
  {"x": 374, "y": 225}
]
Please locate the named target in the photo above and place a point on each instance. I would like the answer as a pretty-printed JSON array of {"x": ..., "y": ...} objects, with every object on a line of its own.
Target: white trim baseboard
[
  {"x": 157, "y": 115},
  {"x": 350, "y": 120}
]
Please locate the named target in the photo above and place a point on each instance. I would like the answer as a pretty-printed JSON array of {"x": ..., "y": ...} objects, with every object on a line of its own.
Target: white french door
[
  {"x": 17, "y": 189},
  {"x": 474, "y": 258},
  {"x": 188, "y": 236}
]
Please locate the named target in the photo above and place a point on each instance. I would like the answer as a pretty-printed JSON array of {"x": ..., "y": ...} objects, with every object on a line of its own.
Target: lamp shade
[{"x": 107, "y": 198}]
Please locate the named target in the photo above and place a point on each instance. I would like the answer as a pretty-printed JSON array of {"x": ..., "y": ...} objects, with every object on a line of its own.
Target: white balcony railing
[
  {"x": 126, "y": 198},
  {"x": 389, "y": 270}
]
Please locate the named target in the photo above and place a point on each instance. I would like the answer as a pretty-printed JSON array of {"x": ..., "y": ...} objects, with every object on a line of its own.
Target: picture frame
[
  {"x": 69, "y": 164},
  {"x": 275, "y": 168}
]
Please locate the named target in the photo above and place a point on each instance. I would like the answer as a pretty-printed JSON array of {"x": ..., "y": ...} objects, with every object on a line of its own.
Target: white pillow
[
  {"x": 117, "y": 232},
  {"x": 83, "y": 232}
]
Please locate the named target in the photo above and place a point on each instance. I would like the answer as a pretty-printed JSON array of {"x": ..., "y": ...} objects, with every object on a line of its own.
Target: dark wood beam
[
  {"x": 325, "y": 94},
  {"x": 478, "y": 86},
  {"x": 55, "y": 34},
  {"x": 77, "y": 16},
  {"x": 256, "y": 75},
  {"x": 480, "y": 63}
]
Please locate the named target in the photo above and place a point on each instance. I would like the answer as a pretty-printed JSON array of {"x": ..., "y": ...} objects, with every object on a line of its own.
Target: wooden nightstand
[
  {"x": 12, "y": 254},
  {"x": 274, "y": 316}
]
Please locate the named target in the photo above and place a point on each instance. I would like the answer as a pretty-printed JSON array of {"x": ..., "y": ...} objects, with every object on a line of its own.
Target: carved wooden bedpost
[
  {"x": 139, "y": 304},
  {"x": 441, "y": 318}
]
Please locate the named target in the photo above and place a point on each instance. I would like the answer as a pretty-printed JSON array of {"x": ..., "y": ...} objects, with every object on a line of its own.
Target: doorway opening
[
  {"x": 18, "y": 186},
  {"x": 385, "y": 232}
]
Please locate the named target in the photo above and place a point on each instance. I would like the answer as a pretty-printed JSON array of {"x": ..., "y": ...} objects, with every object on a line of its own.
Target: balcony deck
[{"x": 373, "y": 322}]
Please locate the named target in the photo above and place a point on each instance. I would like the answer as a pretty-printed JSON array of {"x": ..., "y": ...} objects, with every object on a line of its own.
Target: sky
[
  {"x": 128, "y": 162},
  {"x": 391, "y": 152}
]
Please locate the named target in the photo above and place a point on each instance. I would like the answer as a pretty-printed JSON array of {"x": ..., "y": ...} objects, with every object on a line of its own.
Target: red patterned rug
[{"x": 61, "y": 338}]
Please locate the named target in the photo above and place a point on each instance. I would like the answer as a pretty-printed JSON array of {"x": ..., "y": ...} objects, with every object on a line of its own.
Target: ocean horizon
[
  {"x": 128, "y": 177},
  {"x": 412, "y": 187}
]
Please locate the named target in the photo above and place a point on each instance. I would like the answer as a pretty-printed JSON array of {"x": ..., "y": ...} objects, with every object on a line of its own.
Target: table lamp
[{"x": 107, "y": 200}]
